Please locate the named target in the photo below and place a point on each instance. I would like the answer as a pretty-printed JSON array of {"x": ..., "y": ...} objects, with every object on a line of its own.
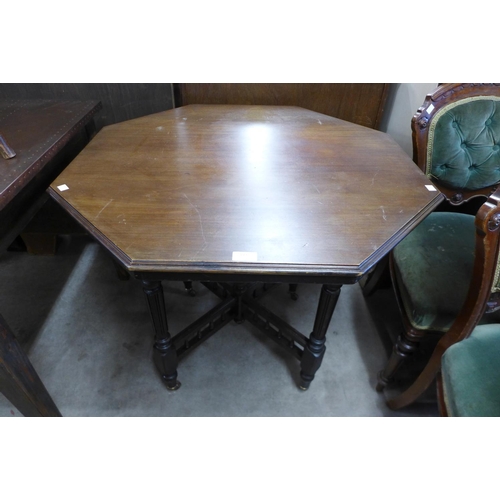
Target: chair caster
[{"x": 294, "y": 296}]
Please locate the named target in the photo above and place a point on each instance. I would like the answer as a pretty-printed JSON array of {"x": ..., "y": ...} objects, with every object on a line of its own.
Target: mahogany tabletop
[{"x": 256, "y": 190}]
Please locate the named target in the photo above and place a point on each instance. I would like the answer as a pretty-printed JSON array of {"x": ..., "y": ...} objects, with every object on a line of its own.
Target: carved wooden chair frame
[
  {"x": 421, "y": 126},
  {"x": 479, "y": 299}
]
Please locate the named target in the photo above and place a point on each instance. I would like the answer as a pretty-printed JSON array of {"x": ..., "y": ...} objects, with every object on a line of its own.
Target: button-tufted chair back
[
  {"x": 446, "y": 272},
  {"x": 463, "y": 148},
  {"x": 456, "y": 134},
  {"x": 457, "y": 139}
]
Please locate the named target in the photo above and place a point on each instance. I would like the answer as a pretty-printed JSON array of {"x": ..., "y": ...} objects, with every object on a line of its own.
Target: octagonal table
[{"x": 232, "y": 196}]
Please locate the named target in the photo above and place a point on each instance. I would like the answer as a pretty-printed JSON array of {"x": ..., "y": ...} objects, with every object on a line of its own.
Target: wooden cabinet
[{"x": 361, "y": 103}]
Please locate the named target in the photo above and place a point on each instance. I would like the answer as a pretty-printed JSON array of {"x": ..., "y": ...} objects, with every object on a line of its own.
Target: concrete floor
[{"x": 89, "y": 337}]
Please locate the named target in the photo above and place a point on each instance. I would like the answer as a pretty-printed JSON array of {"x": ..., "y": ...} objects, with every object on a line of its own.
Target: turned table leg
[
  {"x": 164, "y": 353},
  {"x": 239, "y": 289},
  {"x": 315, "y": 347}
]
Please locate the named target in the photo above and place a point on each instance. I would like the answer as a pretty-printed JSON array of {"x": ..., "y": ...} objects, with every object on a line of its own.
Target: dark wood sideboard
[{"x": 44, "y": 137}]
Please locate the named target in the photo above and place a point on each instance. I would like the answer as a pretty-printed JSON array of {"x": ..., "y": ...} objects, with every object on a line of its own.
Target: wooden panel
[
  {"x": 121, "y": 101},
  {"x": 183, "y": 189},
  {"x": 360, "y": 103}
]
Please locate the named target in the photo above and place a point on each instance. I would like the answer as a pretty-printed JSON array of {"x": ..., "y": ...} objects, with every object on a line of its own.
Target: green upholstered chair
[
  {"x": 469, "y": 383},
  {"x": 445, "y": 272}
]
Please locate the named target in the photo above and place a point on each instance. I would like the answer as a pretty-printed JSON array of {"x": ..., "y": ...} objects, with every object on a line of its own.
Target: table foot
[
  {"x": 311, "y": 360},
  {"x": 171, "y": 385},
  {"x": 164, "y": 352},
  {"x": 315, "y": 347}
]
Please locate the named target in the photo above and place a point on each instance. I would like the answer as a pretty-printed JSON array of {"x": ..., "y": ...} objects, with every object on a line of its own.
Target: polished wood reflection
[{"x": 303, "y": 192}]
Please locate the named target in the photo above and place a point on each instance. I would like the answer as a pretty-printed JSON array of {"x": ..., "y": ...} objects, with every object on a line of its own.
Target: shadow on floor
[
  {"x": 32, "y": 284},
  {"x": 90, "y": 339}
]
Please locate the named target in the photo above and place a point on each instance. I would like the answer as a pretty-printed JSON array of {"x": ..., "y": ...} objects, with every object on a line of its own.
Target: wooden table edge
[{"x": 247, "y": 271}]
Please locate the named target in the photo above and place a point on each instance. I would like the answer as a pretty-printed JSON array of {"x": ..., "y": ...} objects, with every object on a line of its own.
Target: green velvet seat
[
  {"x": 471, "y": 374},
  {"x": 445, "y": 272},
  {"x": 433, "y": 269}
]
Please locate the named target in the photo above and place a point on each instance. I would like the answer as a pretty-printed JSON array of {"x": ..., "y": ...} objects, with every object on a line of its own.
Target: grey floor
[{"x": 89, "y": 337}]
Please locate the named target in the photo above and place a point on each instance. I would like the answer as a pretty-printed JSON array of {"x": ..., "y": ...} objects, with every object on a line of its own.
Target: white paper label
[
  {"x": 430, "y": 187},
  {"x": 245, "y": 256},
  {"x": 430, "y": 108},
  {"x": 63, "y": 187}
]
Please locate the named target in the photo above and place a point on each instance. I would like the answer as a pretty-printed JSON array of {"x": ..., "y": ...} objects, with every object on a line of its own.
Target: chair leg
[
  {"x": 405, "y": 345},
  {"x": 440, "y": 396},
  {"x": 292, "y": 290},
  {"x": 423, "y": 382}
]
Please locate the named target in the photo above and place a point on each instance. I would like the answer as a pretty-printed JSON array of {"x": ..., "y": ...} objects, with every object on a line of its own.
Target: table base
[{"x": 239, "y": 302}]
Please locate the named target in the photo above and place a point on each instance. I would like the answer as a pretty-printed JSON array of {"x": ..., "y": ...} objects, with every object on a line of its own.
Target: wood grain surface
[
  {"x": 305, "y": 193},
  {"x": 37, "y": 130},
  {"x": 120, "y": 101},
  {"x": 361, "y": 103},
  {"x": 45, "y": 136}
]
